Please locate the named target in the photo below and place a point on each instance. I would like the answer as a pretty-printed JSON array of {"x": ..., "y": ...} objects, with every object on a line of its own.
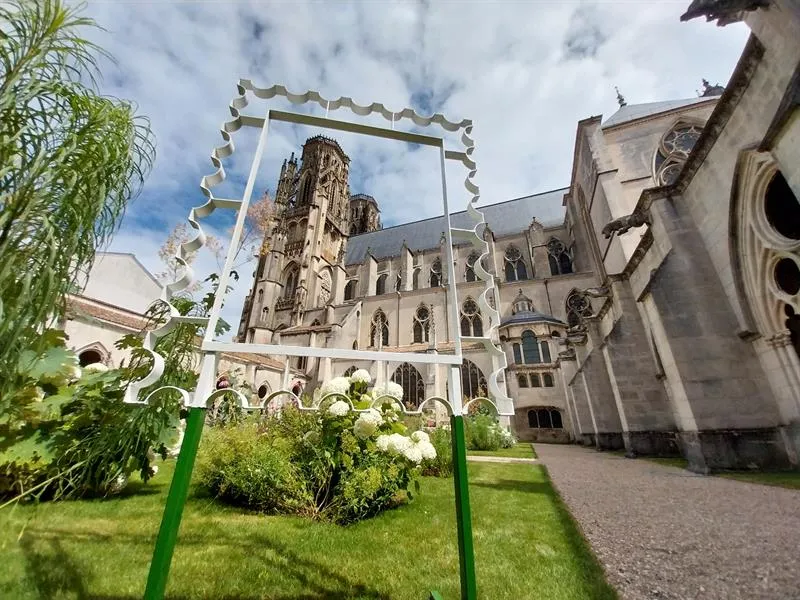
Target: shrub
[
  {"x": 335, "y": 463},
  {"x": 442, "y": 465},
  {"x": 483, "y": 432}
]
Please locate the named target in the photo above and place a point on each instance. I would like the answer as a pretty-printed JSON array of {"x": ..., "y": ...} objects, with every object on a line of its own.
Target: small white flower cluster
[
  {"x": 361, "y": 376},
  {"x": 339, "y": 408},
  {"x": 337, "y": 385},
  {"x": 367, "y": 423},
  {"x": 415, "y": 448},
  {"x": 96, "y": 368}
]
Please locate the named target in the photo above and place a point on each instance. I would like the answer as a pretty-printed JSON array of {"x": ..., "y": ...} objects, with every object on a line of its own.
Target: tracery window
[
  {"x": 469, "y": 274},
  {"x": 473, "y": 383},
  {"x": 578, "y": 307},
  {"x": 380, "y": 285},
  {"x": 471, "y": 322},
  {"x": 436, "y": 273},
  {"x": 559, "y": 258},
  {"x": 325, "y": 288},
  {"x": 422, "y": 324},
  {"x": 350, "y": 289},
  {"x": 515, "y": 266},
  {"x": 291, "y": 282},
  {"x": 407, "y": 376},
  {"x": 545, "y": 418},
  {"x": 379, "y": 329},
  {"x": 673, "y": 150}
]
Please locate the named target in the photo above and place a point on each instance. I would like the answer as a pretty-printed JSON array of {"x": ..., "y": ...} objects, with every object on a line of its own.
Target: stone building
[{"x": 651, "y": 305}]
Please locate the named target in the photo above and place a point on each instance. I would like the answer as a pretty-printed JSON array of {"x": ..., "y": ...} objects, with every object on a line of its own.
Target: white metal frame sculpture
[{"x": 205, "y": 392}]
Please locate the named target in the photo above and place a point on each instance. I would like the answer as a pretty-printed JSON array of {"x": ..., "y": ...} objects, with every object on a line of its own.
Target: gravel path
[{"x": 663, "y": 532}]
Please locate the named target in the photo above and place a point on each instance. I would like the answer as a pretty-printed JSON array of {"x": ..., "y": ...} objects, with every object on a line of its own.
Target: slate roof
[
  {"x": 640, "y": 111},
  {"x": 527, "y": 316},
  {"x": 503, "y": 218}
]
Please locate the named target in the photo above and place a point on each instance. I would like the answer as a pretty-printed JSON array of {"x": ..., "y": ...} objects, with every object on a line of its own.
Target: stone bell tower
[{"x": 303, "y": 266}]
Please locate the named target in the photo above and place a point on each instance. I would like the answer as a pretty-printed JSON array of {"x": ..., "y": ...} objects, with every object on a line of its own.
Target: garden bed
[{"x": 526, "y": 546}]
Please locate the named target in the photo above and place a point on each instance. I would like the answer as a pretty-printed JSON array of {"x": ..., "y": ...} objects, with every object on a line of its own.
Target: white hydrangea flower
[
  {"x": 420, "y": 436},
  {"x": 383, "y": 443},
  {"x": 398, "y": 443},
  {"x": 153, "y": 470},
  {"x": 390, "y": 388},
  {"x": 427, "y": 450},
  {"x": 361, "y": 376},
  {"x": 413, "y": 453},
  {"x": 74, "y": 373},
  {"x": 38, "y": 393},
  {"x": 367, "y": 423},
  {"x": 337, "y": 385},
  {"x": 339, "y": 408},
  {"x": 96, "y": 368}
]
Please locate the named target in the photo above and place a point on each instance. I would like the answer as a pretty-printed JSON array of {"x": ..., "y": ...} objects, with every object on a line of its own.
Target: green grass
[
  {"x": 785, "y": 479},
  {"x": 526, "y": 546},
  {"x": 519, "y": 450}
]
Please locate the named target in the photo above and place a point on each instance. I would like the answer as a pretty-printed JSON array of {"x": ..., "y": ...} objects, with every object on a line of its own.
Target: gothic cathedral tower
[{"x": 304, "y": 265}]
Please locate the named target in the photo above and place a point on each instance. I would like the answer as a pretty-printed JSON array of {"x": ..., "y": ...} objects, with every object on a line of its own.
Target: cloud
[{"x": 525, "y": 73}]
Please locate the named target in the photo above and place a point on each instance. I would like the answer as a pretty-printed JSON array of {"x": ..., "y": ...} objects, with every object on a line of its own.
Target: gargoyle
[
  {"x": 598, "y": 292},
  {"x": 724, "y": 12},
  {"x": 623, "y": 224},
  {"x": 568, "y": 354}
]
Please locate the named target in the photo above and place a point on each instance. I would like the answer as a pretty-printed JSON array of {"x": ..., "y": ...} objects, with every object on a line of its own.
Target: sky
[{"x": 525, "y": 72}]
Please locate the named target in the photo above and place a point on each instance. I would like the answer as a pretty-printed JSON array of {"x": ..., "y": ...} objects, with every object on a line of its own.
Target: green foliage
[
  {"x": 80, "y": 439},
  {"x": 70, "y": 160},
  {"x": 317, "y": 464},
  {"x": 442, "y": 465},
  {"x": 483, "y": 432}
]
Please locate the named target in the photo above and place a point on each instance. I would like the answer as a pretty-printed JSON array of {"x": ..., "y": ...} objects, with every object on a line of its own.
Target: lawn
[
  {"x": 519, "y": 450},
  {"x": 526, "y": 545}
]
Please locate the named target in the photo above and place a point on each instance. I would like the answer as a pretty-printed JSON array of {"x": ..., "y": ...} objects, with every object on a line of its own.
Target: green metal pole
[
  {"x": 466, "y": 555},
  {"x": 173, "y": 511}
]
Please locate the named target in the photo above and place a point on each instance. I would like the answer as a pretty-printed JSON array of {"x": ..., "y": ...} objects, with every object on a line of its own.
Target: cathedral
[{"x": 652, "y": 305}]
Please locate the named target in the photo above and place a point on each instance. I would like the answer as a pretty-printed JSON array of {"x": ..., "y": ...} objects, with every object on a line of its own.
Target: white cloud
[{"x": 524, "y": 72}]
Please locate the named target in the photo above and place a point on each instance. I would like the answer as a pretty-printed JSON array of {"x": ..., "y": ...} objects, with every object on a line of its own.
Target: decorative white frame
[{"x": 205, "y": 391}]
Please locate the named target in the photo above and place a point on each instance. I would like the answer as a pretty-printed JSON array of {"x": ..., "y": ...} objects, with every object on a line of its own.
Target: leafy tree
[{"x": 70, "y": 160}]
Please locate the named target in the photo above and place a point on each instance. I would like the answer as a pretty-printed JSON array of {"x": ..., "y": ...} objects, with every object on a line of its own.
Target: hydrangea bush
[{"x": 345, "y": 462}]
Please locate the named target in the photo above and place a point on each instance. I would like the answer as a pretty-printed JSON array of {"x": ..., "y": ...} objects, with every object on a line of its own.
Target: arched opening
[
  {"x": 782, "y": 207},
  {"x": 263, "y": 391},
  {"x": 545, "y": 418},
  {"x": 558, "y": 257},
  {"x": 436, "y": 273},
  {"x": 469, "y": 273},
  {"x": 473, "y": 383},
  {"x": 471, "y": 322},
  {"x": 422, "y": 324},
  {"x": 291, "y": 276},
  {"x": 787, "y": 276},
  {"x": 89, "y": 357},
  {"x": 530, "y": 348},
  {"x": 515, "y": 269},
  {"x": 522, "y": 380},
  {"x": 547, "y": 379},
  {"x": 380, "y": 285},
  {"x": 577, "y": 307},
  {"x": 407, "y": 377},
  {"x": 350, "y": 289}
]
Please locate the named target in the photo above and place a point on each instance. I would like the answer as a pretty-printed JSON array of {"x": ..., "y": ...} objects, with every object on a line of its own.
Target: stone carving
[
  {"x": 724, "y": 12},
  {"x": 568, "y": 354},
  {"x": 598, "y": 292},
  {"x": 623, "y": 224}
]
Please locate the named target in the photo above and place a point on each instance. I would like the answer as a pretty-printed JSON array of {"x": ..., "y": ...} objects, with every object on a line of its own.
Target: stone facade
[{"x": 653, "y": 305}]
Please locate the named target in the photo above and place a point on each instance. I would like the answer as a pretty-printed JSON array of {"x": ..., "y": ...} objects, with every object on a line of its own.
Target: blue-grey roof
[
  {"x": 640, "y": 111},
  {"x": 528, "y": 316},
  {"x": 504, "y": 218}
]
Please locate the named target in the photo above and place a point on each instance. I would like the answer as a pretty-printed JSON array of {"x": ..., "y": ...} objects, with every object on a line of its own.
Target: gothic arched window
[
  {"x": 545, "y": 352},
  {"x": 544, "y": 418},
  {"x": 578, "y": 307},
  {"x": 530, "y": 348},
  {"x": 560, "y": 260},
  {"x": 422, "y": 324},
  {"x": 515, "y": 266},
  {"x": 379, "y": 330},
  {"x": 380, "y": 285},
  {"x": 290, "y": 287},
  {"x": 436, "y": 273},
  {"x": 473, "y": 383},
  {"x": 415, "y": 279},
  {"x": 324, "y": 288},
  {"x": 350, "y": 289},
  {"x": 471, "y": 323},
  {"x": 264, "y": 314},
  {"x": 260, "y": 295},
  {"x": 469, "y": 274},
  {"x": 673, "y": 150},
  {"x": 407, "y": 376},
  {"x": 547, "y": 379}
]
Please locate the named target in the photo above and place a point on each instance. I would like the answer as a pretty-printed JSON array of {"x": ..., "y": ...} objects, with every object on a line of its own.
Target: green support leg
[
  {"x": 173, "y": 511},
  {"x": 466, "y": 556}
]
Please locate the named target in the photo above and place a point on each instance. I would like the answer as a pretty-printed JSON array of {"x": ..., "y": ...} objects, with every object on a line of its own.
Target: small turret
[{"x": 365, "y": 216}]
